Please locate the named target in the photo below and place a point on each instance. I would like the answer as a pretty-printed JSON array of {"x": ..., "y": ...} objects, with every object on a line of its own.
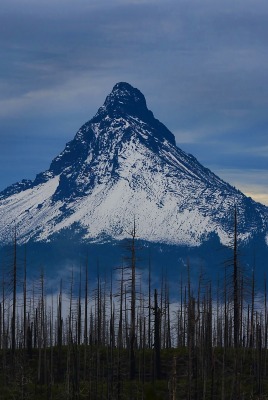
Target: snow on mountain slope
[{"x": 122, "y": 164}]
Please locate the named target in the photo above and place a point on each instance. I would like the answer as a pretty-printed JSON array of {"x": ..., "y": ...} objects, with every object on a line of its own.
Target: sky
[{"x": 201, "y": 64}]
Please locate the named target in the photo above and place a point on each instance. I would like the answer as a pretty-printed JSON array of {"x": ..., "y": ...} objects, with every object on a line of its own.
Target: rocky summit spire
[{"x": 126, "y": 99}]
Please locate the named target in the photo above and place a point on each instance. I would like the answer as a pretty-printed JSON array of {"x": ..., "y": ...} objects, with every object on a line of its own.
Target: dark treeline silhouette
[{"x": 118, "y": 337}]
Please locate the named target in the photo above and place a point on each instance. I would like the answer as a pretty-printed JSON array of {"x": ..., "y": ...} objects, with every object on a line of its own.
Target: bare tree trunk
[
  {"x": 120, "y": 339},
  {"x": 4, "y": 335},
  {"x": 86, "y": 305},
  {"x": 133, "y": 305},
  {"x": 86, "y": 321},
  {"x": 235, "y": 285},
  {"x": 252, "y": 339},
  {"x": 51, "y": 329},
  {"x": 168, "y": 333},
  {"x": 24, "y": 304},
  {"x": 149, "y": 306},
  {"x": 120, "y": 324},
  {"x": 79, "y": 313},
  {"x": 157, "y": 340},
  {"x": 13, "y": 322},
  {"x": 265, "y": 326},
  {"x": 99, "y": 320}
]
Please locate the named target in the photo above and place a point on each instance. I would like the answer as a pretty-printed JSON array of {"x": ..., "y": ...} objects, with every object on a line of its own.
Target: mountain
[{"x": 124, "y": 164}]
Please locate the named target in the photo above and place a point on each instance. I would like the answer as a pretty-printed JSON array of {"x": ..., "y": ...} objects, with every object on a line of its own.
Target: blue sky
[{"x": 201, "y": 64}]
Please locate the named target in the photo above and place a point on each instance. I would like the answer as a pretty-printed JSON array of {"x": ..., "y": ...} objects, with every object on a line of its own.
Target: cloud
[
  {"x": 202, "y": 66},
  {"x": 199, "y": 55}
]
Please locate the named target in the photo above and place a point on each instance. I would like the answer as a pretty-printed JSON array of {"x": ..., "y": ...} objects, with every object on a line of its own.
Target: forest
[{"x": 119, "y": 337}]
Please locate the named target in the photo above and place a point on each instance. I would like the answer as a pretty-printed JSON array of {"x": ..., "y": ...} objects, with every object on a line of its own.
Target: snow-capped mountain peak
[{"x": 125, "y": 163}]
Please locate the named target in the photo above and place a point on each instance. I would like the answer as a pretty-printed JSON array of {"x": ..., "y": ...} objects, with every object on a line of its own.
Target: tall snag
[
  {"x": 14, "y": 279},
  {"x": 133, "y": 304},
  {"x": 157, "y": 341},
  {"x": 131, "y": 332},
  {"x": 235, "y": 285}
]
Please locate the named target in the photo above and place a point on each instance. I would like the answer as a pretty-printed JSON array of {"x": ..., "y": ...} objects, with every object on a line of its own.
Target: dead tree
[
  {"x": 235, "y": 285},
  {"x": 157, "y": 341},
  {"x": 13, "y": 321},
  {"x": 132, "y": 333},
  {"x": 86, "y": 304}
]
